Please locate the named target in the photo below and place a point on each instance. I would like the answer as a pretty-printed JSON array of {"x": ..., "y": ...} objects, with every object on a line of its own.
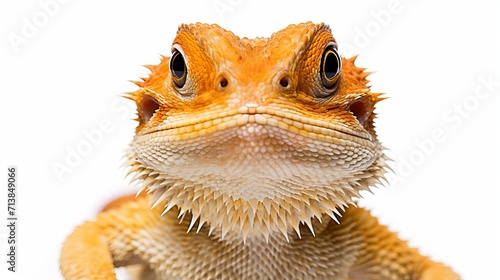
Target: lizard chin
[{"x": 239, "y": 217}]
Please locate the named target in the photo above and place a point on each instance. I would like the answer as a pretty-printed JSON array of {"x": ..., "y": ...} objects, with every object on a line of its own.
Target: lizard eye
[
  {"x": 330, "y": 67},
  {"x": 178, "y": 69}
]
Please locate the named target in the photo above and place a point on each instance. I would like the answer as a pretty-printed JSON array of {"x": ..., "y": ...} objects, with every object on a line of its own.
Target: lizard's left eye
[
  {"x": 178, "y": 69},
  {"x": 330, "y": 67}
]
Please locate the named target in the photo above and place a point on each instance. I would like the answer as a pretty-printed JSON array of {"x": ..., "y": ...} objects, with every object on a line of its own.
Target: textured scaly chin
[{"x": 302, "y": 190}]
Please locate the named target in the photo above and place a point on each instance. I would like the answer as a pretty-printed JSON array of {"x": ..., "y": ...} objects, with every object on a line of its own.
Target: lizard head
[{"x": 255, "y": 136}]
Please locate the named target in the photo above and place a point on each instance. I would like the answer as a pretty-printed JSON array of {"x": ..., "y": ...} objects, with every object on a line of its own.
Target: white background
[{"x": 63, "y": 77}]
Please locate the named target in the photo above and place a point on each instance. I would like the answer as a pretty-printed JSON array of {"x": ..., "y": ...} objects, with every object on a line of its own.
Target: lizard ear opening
[
  {"x": 147, "y": 107},
  {"x": 360, "y": 108}
]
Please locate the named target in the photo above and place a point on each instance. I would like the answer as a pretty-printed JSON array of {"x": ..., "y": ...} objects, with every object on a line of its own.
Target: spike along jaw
[{"x": 303, "y": 152}]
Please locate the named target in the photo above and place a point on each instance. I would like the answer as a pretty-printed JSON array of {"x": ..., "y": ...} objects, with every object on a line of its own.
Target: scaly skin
[{"x": 250, "y": 152}]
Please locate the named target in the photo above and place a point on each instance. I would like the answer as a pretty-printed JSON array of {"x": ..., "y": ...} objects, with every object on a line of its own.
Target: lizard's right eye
[
  {"x": 178, "y": 69},
  {"x": 330, "y": 67}
]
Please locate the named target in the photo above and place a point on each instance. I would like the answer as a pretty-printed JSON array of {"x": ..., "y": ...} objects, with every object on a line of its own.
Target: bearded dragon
[{"x": 251, "y": 154}]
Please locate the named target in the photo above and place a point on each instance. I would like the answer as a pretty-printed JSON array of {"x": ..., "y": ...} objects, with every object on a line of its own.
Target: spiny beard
[{"x": 240, "y": 218}]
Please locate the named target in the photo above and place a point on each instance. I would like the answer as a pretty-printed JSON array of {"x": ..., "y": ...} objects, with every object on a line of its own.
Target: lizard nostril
[
  {"x": 223, "y": 82},
  {"x": 285, "y": 82},
  {"x": 360, "y": 109},
  {"x": 147, "y": 108}
]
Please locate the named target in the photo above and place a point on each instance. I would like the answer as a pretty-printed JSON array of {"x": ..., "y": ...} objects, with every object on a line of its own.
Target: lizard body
[{"x": 250, "y": 152}]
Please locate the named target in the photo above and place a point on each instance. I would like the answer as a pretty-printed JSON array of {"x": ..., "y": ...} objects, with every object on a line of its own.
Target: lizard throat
[
  {"x": 247, "y": 216},
  {"x": 261, "y": 156}
]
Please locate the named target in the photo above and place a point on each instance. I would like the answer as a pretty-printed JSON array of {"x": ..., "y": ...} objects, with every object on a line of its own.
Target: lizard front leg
[
  {"x": 96, "y": 247},
  {"x": 384, "y": 256},
  {"x": 437, "y": 271},
  {"x": 86, "y": 254}
]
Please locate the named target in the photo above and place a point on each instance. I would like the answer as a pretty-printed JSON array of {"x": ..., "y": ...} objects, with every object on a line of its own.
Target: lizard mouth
[{"x": 286, "y": 120}]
